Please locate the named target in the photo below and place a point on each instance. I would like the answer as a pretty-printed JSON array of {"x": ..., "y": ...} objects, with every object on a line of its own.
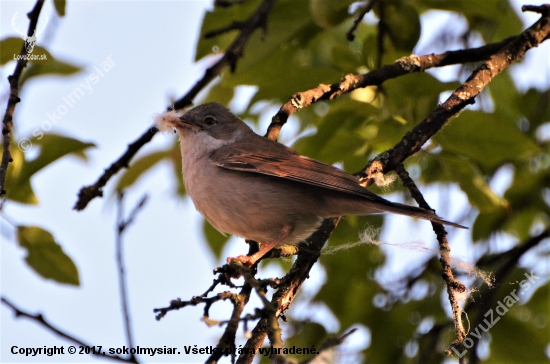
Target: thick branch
[
  {"x": 235, "y": 50},
  {"x": 378, "y": 76},
  {"x": 459, "y": 99},
  {"x": 7, "y": 122}
]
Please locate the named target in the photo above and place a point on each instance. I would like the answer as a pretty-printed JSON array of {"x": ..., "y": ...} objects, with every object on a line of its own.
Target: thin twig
[
  {"x": 511, "y": 259},
  {"x": 13, "y": 100},
  {"x": 368, "y": 7},
  {"x": 289, "y": 287},
  {"x": 231, "y": 55},
  {"x": 544, "y": 9},
  {"x": 226, "y": 345},
  {"x": 88, "y": 193},
  {"x": 227, "y": 3},
  {"x": 122, "y": 224},
  {"x": 229, "y": 59},
  {"x": 454, "y": 286},
  {"x": 330, "y": 343},
  {"x": 236, "y": 25},
  {"x": 194, "y": 301},
  {"x": 42, "y": 321}
]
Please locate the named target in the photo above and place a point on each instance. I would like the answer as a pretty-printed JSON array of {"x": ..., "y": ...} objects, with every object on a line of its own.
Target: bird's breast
[{"x": 249, "y": 205}]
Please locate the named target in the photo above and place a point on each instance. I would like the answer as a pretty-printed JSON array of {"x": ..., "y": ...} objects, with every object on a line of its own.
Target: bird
[{"x": 256, "y": 188}]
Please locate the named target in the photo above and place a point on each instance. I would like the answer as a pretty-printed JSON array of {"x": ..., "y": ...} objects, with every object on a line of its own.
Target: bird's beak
[{"x": 185, "y": 123}]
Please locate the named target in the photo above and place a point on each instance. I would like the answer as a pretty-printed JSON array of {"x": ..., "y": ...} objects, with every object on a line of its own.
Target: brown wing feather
[
  {"x": 260, "y": 155},
  {"x": 275, "y": 159}
]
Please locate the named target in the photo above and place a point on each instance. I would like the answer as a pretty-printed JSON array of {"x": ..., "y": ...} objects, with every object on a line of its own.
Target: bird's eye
[{"x": 209, "y": 120}]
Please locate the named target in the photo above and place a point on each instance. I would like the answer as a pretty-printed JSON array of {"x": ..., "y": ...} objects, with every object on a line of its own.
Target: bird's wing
[
  {"x": 260, "y": 155},
  {"x": 264, "y": 156}
]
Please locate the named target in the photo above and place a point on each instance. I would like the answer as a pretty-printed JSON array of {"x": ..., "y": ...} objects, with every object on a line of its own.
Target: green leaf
[
  {"x": 472, "y": 182},
  {"x": 526, "y": 205},
  {"x": 341, "y": 133},
  {"x": 221, "y": 93},
  {"x": 177, "y": 168},
  {"x": 415, "y": 96},
  {"x": 329, "y": 13},
  {"x": 488, "y": 223},
  {"x": 403, "y": 25},
  {"x": 52, "y": 147},
  {"x": 10, "y": 47},
  {"x": 534, "y": 105},
  {"x": 48, "y": 67},
  {"x": 486, "y": 139},
  {"x": 511, "y": 337},
  {"x": 45, "y": 256},
  {"x": 495, "y": 19},
  {"x": 139, "y": 167},
  {"x": 219, "y": 18},
  {"x": 345, "y": 58},
  {"x": 215, "y": 239},
  {"x": 60, "y": 6},
  {"x": 306, "y": 334}
]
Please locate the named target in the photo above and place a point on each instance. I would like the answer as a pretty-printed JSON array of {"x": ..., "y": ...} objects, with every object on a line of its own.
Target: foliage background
[{"x": 492, "y": 159}]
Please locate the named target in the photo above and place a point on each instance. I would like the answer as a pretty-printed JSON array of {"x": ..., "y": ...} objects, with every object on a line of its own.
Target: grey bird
[{"x": 258, "y": 189}]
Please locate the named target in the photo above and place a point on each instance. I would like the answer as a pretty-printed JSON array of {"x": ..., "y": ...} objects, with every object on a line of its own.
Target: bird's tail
[{"x": 398, "y": 208}]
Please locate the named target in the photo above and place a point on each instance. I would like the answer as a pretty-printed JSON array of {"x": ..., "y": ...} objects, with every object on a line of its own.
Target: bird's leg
[{"x": 250, "y": 260}]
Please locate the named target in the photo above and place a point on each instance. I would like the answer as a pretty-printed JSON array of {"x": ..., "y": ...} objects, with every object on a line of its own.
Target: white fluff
[{"x": 165, "y": 122}]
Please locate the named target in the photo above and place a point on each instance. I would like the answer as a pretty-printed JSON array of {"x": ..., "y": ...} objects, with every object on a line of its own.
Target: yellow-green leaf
[
  {"x": 329, "y": 13},
  {"x": 486, "y": 139},
  {"x": 215, "y": 239},
  {"x": 472, "y": 182},
  {"x": 403, "y": 26},
  {"x": 45, "y": 256},
  {"x": 60, "y": 6},
  {"x": 139, "y": 167},
  {"x": 52, "y": 147},
  {"x": 48, "y": 67}
]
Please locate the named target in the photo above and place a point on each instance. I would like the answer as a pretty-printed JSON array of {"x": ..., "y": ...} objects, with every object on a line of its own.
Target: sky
[{"x": 151, "y": 46}]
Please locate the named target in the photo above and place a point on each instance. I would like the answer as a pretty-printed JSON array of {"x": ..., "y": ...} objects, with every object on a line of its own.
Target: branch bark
[
  {"x": 13, "y": 100},
  {"x": 403, "y": 66}
]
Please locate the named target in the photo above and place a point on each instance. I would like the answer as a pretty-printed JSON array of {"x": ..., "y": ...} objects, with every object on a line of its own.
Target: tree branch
[
  {"x": 289, "y": 287},
  {"x": 42, "y": 321},
  {"x": 507, "y": 52},
  {"x": 13, "y": 100},
  {"x": 459, "y": 99},
  {"x": 366, "y": 8},
  {"x": 511, "y": 259},
  {"x": 122, "y": 224},
  {"x": 454, "y": 286},
  {"x": 402, "y": 66},
  {"x": 230, "y": 57},
  {"x": 330, "y": 343}
]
